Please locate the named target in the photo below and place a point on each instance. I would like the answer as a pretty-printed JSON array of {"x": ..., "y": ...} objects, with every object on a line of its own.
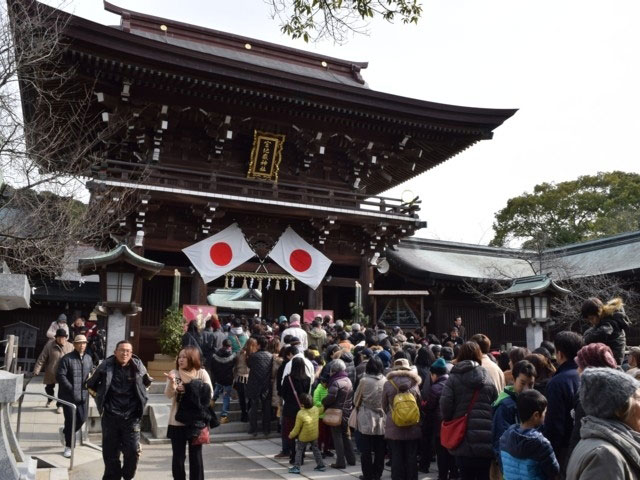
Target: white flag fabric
[
  {"x": 219, "y": 254},
  {"x": 300, "y": 259}
]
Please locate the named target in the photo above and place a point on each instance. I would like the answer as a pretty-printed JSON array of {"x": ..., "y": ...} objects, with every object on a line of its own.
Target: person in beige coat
[
  {"x": 495, "y": 372},
  {"x": 49, "y": 359}
]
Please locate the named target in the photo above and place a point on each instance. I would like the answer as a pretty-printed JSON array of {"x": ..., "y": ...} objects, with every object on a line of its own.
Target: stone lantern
[
  {"x": 121, "y": 270},
  {"x": 533, "y": 304}
]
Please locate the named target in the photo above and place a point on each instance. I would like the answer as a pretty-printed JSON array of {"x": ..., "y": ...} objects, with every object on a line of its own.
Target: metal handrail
[{"x": 64, "y": 402}]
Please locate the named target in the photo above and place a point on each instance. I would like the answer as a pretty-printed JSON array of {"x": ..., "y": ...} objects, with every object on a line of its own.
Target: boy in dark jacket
[
  {"x": 505, "y": 411},
  {"x": 222, "y": 363},
  {"x": 526, "y": 454}
]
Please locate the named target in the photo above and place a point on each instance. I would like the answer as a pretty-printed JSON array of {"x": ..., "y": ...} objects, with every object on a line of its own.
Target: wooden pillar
[
  {"x": 366, "y": 280},
  {"x": 314, "y": 298},
  {"x": 134, "y": 322},
  {"x": 198, "y": 290}
]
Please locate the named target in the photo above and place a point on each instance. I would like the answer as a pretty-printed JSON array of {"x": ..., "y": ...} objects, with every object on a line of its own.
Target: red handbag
[
  {"x": 452, "y": 431},
  {"x": 201, "y": 439}
]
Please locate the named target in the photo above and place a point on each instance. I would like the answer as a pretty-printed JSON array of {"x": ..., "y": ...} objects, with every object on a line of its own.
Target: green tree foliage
[
  {"x": 556, "y": 214},
  {"x": 335, "y": 19},
  {"x": 171, "y": 331}
]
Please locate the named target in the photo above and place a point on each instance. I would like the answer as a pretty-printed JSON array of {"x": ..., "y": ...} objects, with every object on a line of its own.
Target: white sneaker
[
  {"x": 61, "y": 436},
  {"x": 67, "y": 452},
  {"x": 59, "y": 410}
]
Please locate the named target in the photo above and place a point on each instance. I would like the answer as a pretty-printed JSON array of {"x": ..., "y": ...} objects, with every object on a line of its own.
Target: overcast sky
[{"x": 571, "y": 67}]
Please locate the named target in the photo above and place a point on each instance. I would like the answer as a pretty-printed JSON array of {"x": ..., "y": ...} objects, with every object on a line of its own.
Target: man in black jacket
[
  {"x": 73, "y": 370},
  {"x": 222, "y": 363},
  {"x": 258, "y": 387},
  {"x": 119, "y": 386}
]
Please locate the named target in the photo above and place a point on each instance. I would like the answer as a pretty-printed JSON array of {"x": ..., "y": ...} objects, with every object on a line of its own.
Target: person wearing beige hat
[{"x": 73, "y": 371}]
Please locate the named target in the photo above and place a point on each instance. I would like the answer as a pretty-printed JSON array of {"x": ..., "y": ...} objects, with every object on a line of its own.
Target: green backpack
[{"x": 405, "y": 411}]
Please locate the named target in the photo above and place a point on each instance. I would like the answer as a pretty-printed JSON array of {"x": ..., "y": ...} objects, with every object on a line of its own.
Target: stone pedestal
[
  {"x": 534, "y": 336},
  {"x": 10, "y": 452},
  {"x": 116, "y": 330}
]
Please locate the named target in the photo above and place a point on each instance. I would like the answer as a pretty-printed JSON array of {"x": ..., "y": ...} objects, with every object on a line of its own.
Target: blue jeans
[{"x": 226, "y": 399}]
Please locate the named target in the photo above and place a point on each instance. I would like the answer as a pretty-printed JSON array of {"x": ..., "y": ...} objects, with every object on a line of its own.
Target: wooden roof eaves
[
  {"x": 135, "y": 47},
  {"x": 130, "y": 15}
]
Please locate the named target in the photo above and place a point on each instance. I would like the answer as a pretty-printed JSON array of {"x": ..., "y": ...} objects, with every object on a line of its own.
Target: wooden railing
[{"x": 188, "y": 179}]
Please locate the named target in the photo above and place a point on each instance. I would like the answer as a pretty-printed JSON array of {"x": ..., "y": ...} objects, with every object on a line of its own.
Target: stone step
[{"x": 216, "y": 437}]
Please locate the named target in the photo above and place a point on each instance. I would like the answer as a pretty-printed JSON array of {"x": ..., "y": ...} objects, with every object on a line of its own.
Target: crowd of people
[{"x": 413, "y": 401}]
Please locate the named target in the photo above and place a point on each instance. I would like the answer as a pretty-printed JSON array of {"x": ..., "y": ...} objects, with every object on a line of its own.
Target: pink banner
[
  {"x": 309, "y": 315},
  {"x": 201, "y": 313}
]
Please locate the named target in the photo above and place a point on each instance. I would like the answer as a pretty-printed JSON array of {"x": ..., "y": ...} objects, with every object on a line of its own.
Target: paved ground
[{"x": 228, "y": 461}]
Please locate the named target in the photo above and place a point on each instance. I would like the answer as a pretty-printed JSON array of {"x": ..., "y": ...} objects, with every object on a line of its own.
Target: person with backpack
[
  {"x": 400, "y": 400},
  {"x": 470, "y": 391}
]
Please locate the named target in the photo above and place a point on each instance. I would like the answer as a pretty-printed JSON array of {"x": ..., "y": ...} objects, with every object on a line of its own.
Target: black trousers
[
  {"x": 426, "y": 444},
  {"x": 81, "y": 417},
  {"x": 120, "y": 435},
  {"x": 404, "y": 459},
  {"x": 242, "y": 400},
  {"x": 342, "y": 444},
  {"x": 372, "y": 456},
  {"x": 446, "y": 462},
  {"x": 50, "y": 390},
  {"x": 179, "y": 442},
  {"x": 472, "y": 468},
  {"x": 263, "y": 403}
]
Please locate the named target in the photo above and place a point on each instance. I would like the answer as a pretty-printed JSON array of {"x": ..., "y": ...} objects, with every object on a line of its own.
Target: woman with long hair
[
  {"x": 294, "y": 384},
  {"x": 544, "y": 370},
  {"x": 188, "y": 371},
  {"x": 609, "y": 325},
  {"x": 241, "y": 375},
  {"x": 469, "y": 381},
  {"x": 371, "y": 419}
]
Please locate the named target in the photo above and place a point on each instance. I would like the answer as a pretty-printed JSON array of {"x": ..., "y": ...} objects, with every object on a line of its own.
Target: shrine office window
[{"x": 399, "y": 311}]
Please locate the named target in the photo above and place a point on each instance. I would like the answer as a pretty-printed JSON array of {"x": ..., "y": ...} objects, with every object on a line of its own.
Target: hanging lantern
[
  {"x": 277, "y": 284},
  {"x": 244, "y": 282},
  {"x": 293, "y": 285}
]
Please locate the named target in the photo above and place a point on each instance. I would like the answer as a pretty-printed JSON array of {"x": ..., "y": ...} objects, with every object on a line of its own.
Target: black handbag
[{"x": 213, "y": 420}]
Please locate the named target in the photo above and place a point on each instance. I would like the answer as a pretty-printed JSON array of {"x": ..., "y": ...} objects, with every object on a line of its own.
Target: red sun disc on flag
[
  {"x": 221, "y": 253},
  {"x": 300, "y": 260}
]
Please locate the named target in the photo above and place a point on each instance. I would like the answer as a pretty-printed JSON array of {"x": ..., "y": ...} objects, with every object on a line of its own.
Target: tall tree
[
  {"x": 336, "y": 19},
  {"x": 555, "y": 214},
  {"x": 50, "y": 138}
]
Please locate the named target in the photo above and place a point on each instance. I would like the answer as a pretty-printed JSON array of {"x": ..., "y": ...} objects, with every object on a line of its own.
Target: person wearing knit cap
[
  {"x": 610, "y": 433},
  {"x": 61, "y": 322},
  {"x": 295, "y": 330},
  {"x": 590, "y": 356},
  {"x": 385, "y": 357}
]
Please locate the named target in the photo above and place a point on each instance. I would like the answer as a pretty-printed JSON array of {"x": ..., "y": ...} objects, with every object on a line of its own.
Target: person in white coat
[
  {"x": 60, "y": 323},
  {"x": 295, "y": 331}
]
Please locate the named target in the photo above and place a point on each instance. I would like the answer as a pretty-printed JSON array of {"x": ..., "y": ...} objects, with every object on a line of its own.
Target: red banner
[{"x": 309, "y": 315}]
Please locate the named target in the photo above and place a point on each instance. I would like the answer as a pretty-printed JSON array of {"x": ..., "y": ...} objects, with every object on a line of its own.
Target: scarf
[{"x": 337, "y": 376}]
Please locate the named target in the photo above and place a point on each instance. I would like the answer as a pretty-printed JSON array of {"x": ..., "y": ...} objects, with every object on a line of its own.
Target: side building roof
[{"x": 436, "y": 259}]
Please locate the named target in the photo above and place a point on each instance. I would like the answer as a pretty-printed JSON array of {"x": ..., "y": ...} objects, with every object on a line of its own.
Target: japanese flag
[
  {"x": 219, "y": 254},
  {"x": 300, "y": 259}
]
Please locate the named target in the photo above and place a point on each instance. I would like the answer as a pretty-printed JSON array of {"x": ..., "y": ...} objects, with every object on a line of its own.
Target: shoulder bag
[
  {"x": 452, "y": 431},
  {"x": 333, "y": 416}
]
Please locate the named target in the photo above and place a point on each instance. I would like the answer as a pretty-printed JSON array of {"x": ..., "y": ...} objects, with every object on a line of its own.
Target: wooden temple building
[{"x": 208, "y": 128}]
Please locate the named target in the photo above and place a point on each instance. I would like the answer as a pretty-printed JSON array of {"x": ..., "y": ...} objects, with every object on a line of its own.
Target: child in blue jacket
[{"x": 526, "y": 454}]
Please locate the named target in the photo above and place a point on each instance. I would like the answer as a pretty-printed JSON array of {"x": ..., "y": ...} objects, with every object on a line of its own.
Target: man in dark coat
[
  {"x": 258, "y": 388},
  {"x": 73, "y": 370},
  {"x": 222, "y": 363},
  {"x": 560, "y": 393},
  {"x": 119, "y": 386}
]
